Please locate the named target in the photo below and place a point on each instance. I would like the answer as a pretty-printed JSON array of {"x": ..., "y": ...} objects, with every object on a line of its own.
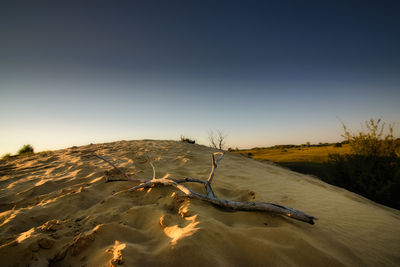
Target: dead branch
[
  {"x": 113, "y": 165},
  {"x": 210, "y": 196},
  {"x": 109, "y": 179},
  {"x": 153, "y": 167}
]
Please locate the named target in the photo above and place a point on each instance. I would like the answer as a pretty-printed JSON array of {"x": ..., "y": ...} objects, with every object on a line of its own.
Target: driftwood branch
[
  {"x": 210, "y": 196},
  {"x": 115, "y": 167},
  {"x": 153, "y": 167},
  {"x": 126, "y": 177}
]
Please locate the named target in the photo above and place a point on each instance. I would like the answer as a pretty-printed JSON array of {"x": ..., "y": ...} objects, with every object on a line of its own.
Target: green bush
[
  {"x": 373, "y": 142},
  {"x": 26, "y": 149},
  {"x": 377, "y": 178},
  {"x": 373, "y": 168},
  {"x": 187, "y": 140}
]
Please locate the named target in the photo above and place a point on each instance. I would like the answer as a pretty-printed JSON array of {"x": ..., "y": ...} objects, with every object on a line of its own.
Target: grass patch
[
  {"x": 187, "y": 140},
  {"x": 6, "y": 156},
  {"x": 23, "y": 151},
  {"x": 298, "y": 154},
  {"x": 307, "y": 159}
]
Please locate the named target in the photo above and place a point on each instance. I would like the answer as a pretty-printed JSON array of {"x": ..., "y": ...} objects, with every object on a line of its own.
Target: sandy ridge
[{"x": 55, "y": 208}]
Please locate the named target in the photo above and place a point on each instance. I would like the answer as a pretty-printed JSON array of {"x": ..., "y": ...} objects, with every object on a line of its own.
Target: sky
[{"x": 263, "y": 72}]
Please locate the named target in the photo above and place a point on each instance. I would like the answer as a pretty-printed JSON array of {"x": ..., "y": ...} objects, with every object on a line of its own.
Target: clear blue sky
[{"x": 263, "y": 72}]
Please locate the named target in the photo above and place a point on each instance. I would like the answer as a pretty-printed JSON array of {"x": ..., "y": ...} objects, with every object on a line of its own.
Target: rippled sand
[{"x": 55, "y": 208}]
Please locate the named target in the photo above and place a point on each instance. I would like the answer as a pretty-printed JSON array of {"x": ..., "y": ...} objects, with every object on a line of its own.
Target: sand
[{"x": 56, "y": 209}]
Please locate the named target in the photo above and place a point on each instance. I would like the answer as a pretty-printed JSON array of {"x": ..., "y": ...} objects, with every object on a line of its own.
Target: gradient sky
[{"x": 264, "y": 72}]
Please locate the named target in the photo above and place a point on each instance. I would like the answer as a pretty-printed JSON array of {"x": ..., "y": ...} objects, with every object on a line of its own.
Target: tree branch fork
[{"x": 209, "y": 196}]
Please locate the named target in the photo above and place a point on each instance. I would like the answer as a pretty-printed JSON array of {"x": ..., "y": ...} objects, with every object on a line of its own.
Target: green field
[
  {"x": 317, "y": 154},
  {"x": 305, "y": 159}
]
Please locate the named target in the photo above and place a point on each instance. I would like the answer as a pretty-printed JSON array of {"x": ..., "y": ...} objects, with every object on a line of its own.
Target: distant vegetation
[
  {"x": 366, "y": 162},
  {"x": 302, "y": 146},
  {"x": 296, "y": 153},
  {"x": 187, "y": 140},
  {"x": 25, "y": 150}
]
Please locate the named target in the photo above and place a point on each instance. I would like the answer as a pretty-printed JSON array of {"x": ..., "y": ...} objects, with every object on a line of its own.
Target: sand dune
[{"x": 55, "y": 208}]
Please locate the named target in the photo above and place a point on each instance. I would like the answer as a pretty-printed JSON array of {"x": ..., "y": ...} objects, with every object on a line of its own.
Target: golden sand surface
[{"x": 56, "y": 209}]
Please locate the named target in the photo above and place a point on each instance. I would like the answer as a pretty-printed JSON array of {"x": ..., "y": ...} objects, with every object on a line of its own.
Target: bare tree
[{"x": 217, "y": 140}]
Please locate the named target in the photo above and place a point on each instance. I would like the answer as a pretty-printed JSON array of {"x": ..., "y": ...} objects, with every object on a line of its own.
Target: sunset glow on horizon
[{"x": 264, "y": 73}]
